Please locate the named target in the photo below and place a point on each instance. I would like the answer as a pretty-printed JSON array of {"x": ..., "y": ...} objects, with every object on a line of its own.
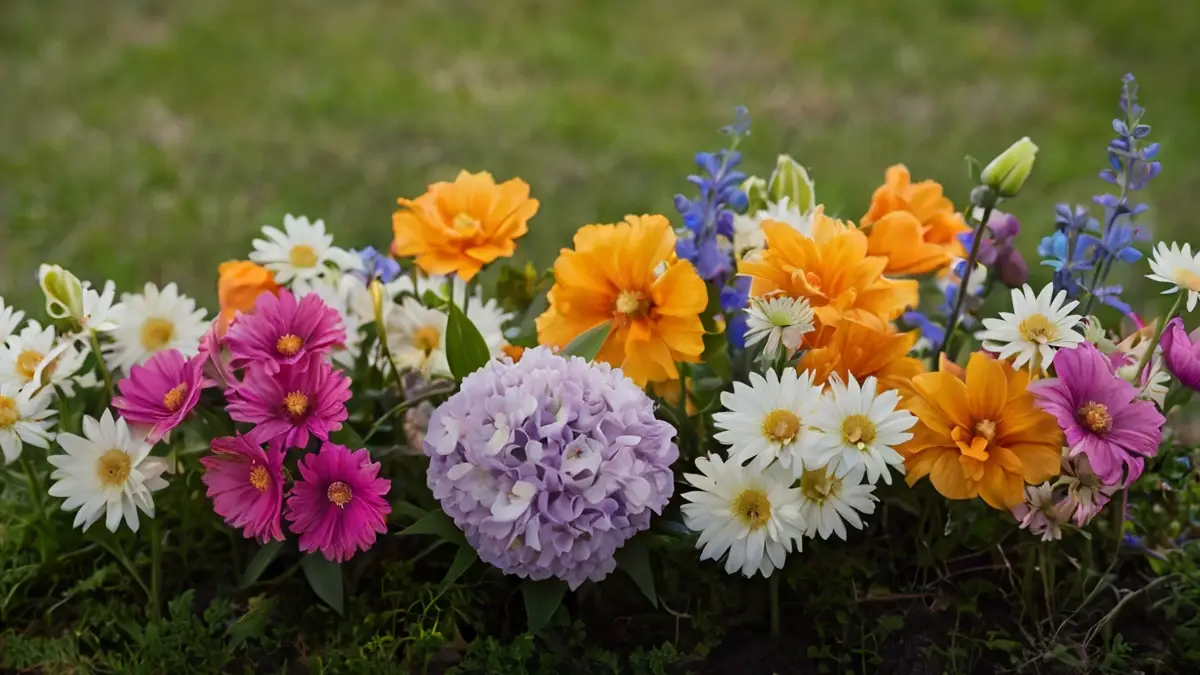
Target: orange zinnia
[
  {"x": 863, "y": 348},
  {"x": 628, "y": 274},
  {"x": 239, "y": 283},
  {"x": 913, "y": 224},
  {"x": 982, "y": 437},
  {"x": 459, "y": 227},
  {"x": 831, "y": 269}
]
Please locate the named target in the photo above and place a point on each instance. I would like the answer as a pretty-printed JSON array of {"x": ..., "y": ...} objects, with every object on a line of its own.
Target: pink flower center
[
  {"x": 339, "y": 494},
  {"x": 295, "y": 404},
  {"x": 1095, "y": 417},
  {"x": 173, "y": 399},
  {"x": 289, "y": 345},
  {"x": 259, "y": 478}
]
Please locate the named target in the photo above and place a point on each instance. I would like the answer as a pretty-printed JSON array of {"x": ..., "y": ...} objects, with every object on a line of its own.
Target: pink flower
[
  {"x": 161, "y": 392},
  {"x": 339, "y": 506},
  {"x": 282, "y": 331},
  {"x": 303, "y": 398},
  {"x": 1099, "y": 414},
  {"x": 1041, "y": 513},
  {"x": 1086, "y": 493},
  {"x": 1182, "y": 353},
  {"x": 246, "y": 486},
  {"x": 212, "y": 348}
]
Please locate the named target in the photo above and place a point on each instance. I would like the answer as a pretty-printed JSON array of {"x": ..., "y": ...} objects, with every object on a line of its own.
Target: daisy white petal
[
  {"x": 1038, "y": 326},
  {"x": 300, "y": 252},
  {"x": 154, "y": 320},
  {"x": 781, "y": 321},
  {"x": 25, "y": 418},
  {"x": 769, "y": 419},
  {"x": 829, "y": 502},
  {"x": 855, "y": 426},
  {"x": 1179, "y": 268}
]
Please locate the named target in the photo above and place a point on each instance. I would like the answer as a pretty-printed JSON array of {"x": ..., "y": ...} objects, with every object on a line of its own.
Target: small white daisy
[
  {"x": 829, "y": 502},
  {"x": 769, "y": 419},
  {"x": 100, "y": 313},
  {"x": 753, "y": 516},
  {"x": 1038, "y": 326},
  {"x": 855, "y": 426},
  {"x": 106, "y": 472},
  {"x": 300, "y": 252},
  {"x": 36, "y": 353},
  {"x": 781, "y": 321},
  {"x": 24, "y": 418},
  {"x": 416, "y": 337},
  {"x": 10, "y": 319},
  {"x": 155, "y": 320},
  {"x": 748, "y": 237},
  {"x": 1178, "y": 267}
]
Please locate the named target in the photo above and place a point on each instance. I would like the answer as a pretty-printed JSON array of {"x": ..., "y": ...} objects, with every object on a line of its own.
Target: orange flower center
[
  {"x": 1095, "y": 417},
  {"x": 8, "y": 412},
  {"x": 295, "y": 403},
  {"x": 1038, "y": 329},
  {"x": 157, "y": 333},
  {"x": 781, "y": 426},
  {"x": 1188, "y": 279},
  {"x": 113, "y": 468},
  {"x": 753, "y": 508},
  {"x": 289, "y": 345},
  {"x": 339, "y": 494},
  {"x": 27, "y": 364},
  {"x": 303, "y": 255},
  {"x": 259, "y": 478},
  {"x": 427, "y": 338},
  {"x": 174, "y": 398},
  {"x": 631, "y": 304}
]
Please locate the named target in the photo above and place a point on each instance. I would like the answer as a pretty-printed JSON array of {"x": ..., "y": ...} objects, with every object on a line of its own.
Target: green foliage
[
  {"x": 466, "y": 350},
  {"x": 589, "y": 342}
]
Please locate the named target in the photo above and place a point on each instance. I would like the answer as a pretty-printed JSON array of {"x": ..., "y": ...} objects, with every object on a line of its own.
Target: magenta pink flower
[
  {"x": 161, "y": 392},
  {"x": 246, "y": 486},
  {"x": 1099, "y": 414},
  {"x": 339, "y": 507},
  {"x": 282, "y": 331},
  {"x": 1182, "y": 353},
  {"x": 303, "y": 398},
  {"x": 212, "y": 348}
]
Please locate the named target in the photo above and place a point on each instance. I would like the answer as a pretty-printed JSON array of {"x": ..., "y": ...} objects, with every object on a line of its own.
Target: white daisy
[
  {"x": 829, "y": 502},
  {"x": 1037, "y": 327},
  {"x": 769, "y": 419},
  {"x": 855, "y": 426},
  {"x": 24, "y": 418},
  {"x": 1155, "y": 379},
  {"x": 416, "y": 337},
  {"x": 487, "y": 315},
  {"x": 106, "y": 472},
  {"x": 754, "y": 516},
  {"x": 300, "y": 252},
  {"x": 1179, "y": 268},
  {"x": 10, "y": 319},
  {"x": 36, "y": 354},
  {"x": 780, "y": 321},
  {"x": 99, "y": 312},
  {"x": 155, "y": 320},
  {"x": 339, "y": 292},
  {"x": 748, "y": 237}
]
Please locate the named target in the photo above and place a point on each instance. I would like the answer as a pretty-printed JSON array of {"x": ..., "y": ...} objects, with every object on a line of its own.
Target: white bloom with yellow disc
[
  {"x": 300, "y": 252},
  {"x": 154, "y": 320},
  {"x": 25, "y": 417},
  {"x": 1038, "y": 326},
  {"x": 856, "y": 426},
  {"x": 769, "y": 419}
]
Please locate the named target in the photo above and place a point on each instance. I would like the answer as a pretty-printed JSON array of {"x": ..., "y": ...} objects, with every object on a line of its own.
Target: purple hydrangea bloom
[{"x": 550, "y": 464}]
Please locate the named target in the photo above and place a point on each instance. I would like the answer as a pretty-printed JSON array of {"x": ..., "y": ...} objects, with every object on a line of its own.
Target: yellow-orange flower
[
  {"x": 628, "y": 274},
  {"x": 831, "y": 269},
  {"x": 913, "y": 224},
  {"x": 862, "y": 348},
  {"x": 980, "y": 437},
  {"x": 239, "y": 283},
  {"x": 457, "y": 228}
]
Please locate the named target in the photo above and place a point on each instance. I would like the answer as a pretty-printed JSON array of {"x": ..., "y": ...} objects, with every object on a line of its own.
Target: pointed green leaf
[
  {"x": 716, "y": 355},
  {"x": 439, "y": 524},
  {"x": 466, "y": 350},
  {"x": 463, "y": 560},
  {"x": 634, "y": 559},
  {"x": 252, "y": 624},
  {"x": 348, "y": 437},
  {"x": 325, "y": 577},
  {"x": 542, "y": 599},
  {"x": 588, "y": 343},
  {"x": 260, "y": 562}
]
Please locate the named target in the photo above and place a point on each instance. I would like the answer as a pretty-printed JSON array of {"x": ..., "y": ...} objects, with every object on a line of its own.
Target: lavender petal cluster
[{"x": 550, "y": 464}]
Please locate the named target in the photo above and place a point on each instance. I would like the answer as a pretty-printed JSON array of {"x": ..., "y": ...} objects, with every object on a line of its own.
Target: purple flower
[
  {"x": 377, "y": 265},
  {"x": 338, "y": 506},
  {"x": 550, "y": 464},
  {"x": 301, "y": 399},
  {"x": 1182, "y": 353},
  {"x": 1099, "y": 414},
  {"x": 282, "y": 331},
  {"x": 999, "y": 252},
  {"x": 162, "y": 392}
]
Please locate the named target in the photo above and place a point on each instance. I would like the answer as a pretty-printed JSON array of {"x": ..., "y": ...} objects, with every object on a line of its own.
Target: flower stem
[
  {"x": 976, "y": 240},
  {"x": 773, "y": 592},
  {"x": 401, "y": 407},
  {"x": 108, "y": 385},
  {"x": 155, "y": 568},
  {"x": 1158, "y": 331},
  {"x": 39, "y": 502}
]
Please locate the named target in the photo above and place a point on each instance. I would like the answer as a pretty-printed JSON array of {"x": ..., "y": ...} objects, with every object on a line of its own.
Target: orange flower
[
  {"x": 628, "y": 274},
  {"x": 863, "y": 348},
  {"x": 832, "y": 270},
  {"x": 913, "y": 224},
  {"x": 239, "y": 283},
  {"x": 514, "y": 352},
  {"x": 980, "y": 437},
  {"x": 459, "y": 227}
]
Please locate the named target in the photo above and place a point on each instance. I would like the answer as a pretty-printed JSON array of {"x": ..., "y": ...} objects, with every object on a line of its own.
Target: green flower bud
[
  {"x": 756, "y": 194},
  {"x": 1007, "y": 173},
  {"x": 63, "y": 290},
  {"x": 790, "y": 180}
]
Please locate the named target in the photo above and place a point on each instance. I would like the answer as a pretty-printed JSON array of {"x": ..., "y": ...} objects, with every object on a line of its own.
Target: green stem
[
  {"x": 95, "y": 341},
  {"x": 126, "y": 563},
  {"x": 35, "y": 487},
  {"x": 401, "y": 407},
  {"x": 156, "y": 569},
  {"x": 976, "y": 240},
  {"x": 1158, "y": 331},
  {"x": 773, "y": 592}
]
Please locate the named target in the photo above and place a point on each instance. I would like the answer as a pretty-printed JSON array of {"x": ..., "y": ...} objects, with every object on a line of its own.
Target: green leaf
[
  {"x": 408, "y": 510},
  {"x": 588, "y": 343},
  {"x": 542, "y": 599},
  {"x": 348, "y": 437},
  {"x": 436, "y": 523},
  {"x": 260, "y": 562},
  {"x": 466, "y": 350},
  {"x": 325, "y": 577},
  {"x": 716, "y": 355},
  {"x": 634, "y": 559},
  {"x": 252, "y": 624},
  {"x": 463, "y": 560}
]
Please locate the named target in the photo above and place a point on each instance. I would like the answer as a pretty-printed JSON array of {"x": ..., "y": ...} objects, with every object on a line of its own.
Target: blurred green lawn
[{"x": 150, "y": 140}]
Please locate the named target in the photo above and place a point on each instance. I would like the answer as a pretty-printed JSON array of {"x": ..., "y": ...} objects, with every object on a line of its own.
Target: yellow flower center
[
  {"x": 818, "y": 485},
  {"x": 1037, "y": 328},
  {"x": 289, "y": 344},
  {"x": 753, "y": 508},
  {"x": 1188, "y": 279},
  {"x": 113, "y": 468},
  {"x": 986, "y": 429},
  {"x": 465, "y": 224},
  {"x": 259, "y": 478},
  {"x": 781, "y": 426},
  {"x": 858, "y": 430},
  {"x": 8, "y": 412},
  {"x": 295, "y": 404},
  {"x": 174, "y": 398},
  {"x": 303, "y": 255},
  {"x": 27, "y": 364},
  {"x": 157, "y": 333},
  {"x": 1095, "y": 417},
  {"x": 631, "y": 304},
  {"x": 339, "y": 494},
  {"x": 427, "y": 338}
]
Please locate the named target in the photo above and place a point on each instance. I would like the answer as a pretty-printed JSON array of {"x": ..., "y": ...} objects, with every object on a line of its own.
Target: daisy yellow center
[
  {"x": 289, "y": 345},
  {"x": 173, "y": 399},
  {"x": 8, "y": 412},
  {"x": 27, "y": 364},
  {"x": 113, "y": 468},
  {"x": 1188, "y": 279},
  {"x": 985, "y": 429},
  {"x": 303, "y": 255},
  {"x": 339, "y": 494},
  {"x": 753, "y": 508},
  {"x": 157, "y": 333},
  {"x": 295, "y": 403},
  {"x": 259, "y": 478},
  {"x": 427, "y": 338},
  {"x": 858, "y": 430},
  {"x": 631, "y": 303},
  {"x": 781, "y": 426},
  {"x": 817, "y": 486},
  {"x": 1037, "y": 328},
  {"x": 465, "y": 224},
  {"x": 1095, "y": 416}
]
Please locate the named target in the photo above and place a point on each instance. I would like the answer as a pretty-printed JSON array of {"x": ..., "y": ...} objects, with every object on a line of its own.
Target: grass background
[{"x": 149, "y": 140}]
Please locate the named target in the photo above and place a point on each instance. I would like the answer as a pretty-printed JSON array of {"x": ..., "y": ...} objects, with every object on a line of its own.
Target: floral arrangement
[{"x": 777, "y": 367}]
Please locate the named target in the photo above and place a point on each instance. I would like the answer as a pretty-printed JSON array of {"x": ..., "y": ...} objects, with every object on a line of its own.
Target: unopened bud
[
  {"x": 63, "y": 290},
  {"x": 791, "y": 180},
  {"x": 1007, "y": 173},
  {"x": 756, "y": 194}
]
